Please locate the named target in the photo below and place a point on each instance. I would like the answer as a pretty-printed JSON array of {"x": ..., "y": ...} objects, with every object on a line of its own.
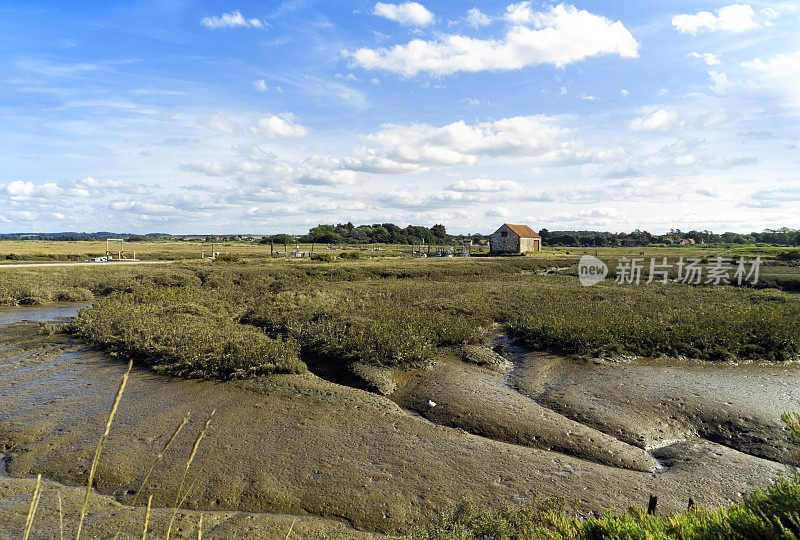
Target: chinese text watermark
[{"x": 692, "y": 271}]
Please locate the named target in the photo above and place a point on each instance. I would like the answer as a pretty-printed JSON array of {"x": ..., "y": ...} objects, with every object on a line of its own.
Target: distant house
[
  {"x": 514, "y": 239},
  {"x": 687, "y": 241}
]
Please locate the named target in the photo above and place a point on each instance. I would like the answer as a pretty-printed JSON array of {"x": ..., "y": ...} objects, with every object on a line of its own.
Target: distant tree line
[
  {"x": 389, "y": 233},
  {"x": 378, "y": 233},
  {"x": 779, "y": 237}
]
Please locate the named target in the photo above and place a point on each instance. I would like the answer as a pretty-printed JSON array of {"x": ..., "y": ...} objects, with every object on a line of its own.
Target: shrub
[
  {"x": 352, "y": 255},
  {"x": 793, "y": 255},
  {"x": 227, "y": 257},
  {"x": 324, "y": 257}
]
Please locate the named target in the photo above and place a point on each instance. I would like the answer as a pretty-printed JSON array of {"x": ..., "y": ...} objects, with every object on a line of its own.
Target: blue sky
[{"x": 260, "y": 117}]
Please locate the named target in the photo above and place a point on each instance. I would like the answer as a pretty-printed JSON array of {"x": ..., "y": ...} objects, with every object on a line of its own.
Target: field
[{"x": 44, "y": 251}]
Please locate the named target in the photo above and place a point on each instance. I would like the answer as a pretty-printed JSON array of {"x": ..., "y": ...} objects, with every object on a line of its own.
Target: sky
[{"x": 192, "y": 117}]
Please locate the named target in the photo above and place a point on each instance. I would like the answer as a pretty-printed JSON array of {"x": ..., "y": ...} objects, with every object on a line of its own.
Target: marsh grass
[
  {"x": 241, "y": 321},
  {"x": 32, "y": 509},
  {"x": 770, "y": 513}
]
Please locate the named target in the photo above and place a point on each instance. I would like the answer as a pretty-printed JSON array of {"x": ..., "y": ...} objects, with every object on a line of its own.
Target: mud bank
[
  {"x": 650, "y": 403},
  {"x": 299, "y": 445}
]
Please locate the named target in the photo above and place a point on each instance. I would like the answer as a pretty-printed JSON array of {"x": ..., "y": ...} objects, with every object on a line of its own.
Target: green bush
[
  {"x": 352, "y": 255},
  {"x": 227, "y": 257},
  {"x": 324, "y": 257}
]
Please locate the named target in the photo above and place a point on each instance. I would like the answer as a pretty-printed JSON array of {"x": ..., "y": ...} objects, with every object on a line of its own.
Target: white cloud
[
  {"x": 708, "y": 58},
  {"x": 141, "y": 208},
  {"x": 20, "y": 191},
  {"x": 624, "y": 93},
  {"x": 499, "y": 212},
  {"x": 656, "y": 119},
  {"x": 418, "y": 147},
  {"x": 781, "y": 65},
  {"x": 713, "y": 118},
  {"x": 219, "y": 122},
  {"x": 721, "y": 82},
  {"x": 407, "y": 14},
  {"x": 476, "y": 18},
  {"x": 560, "y": 36},
  {"x": 230, "y": 20},
  {"x": 484, "y": 184},
  {"x": 732, "y": 18},
  {"x": 261, "y": 85},
  {"x": 781, "y": 74},
  {"x": 279, "y": 126}
]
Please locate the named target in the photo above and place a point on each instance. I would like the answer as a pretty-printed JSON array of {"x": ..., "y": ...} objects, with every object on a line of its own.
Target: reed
[
  {"x": 99, "y": 449},
  {"x": 147, "y": 517},
  {"x": 32, "y": 508}
]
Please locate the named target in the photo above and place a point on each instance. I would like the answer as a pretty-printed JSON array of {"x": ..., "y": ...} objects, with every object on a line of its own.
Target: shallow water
[{"x": 47, "y": 312}]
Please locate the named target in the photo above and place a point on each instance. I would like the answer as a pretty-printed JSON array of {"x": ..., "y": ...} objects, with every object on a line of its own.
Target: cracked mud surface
[{"x": 299, "y": 445}]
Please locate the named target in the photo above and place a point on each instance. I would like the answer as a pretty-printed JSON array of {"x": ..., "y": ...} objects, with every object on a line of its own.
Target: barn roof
[{"x": 522, "y": 230}]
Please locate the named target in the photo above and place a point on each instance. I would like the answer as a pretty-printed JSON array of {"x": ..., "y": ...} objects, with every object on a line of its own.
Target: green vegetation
[
  {"x": 770, "y": 513},
  {"x": 233, "y": 321},
  {"x": 186, "y": 332}
]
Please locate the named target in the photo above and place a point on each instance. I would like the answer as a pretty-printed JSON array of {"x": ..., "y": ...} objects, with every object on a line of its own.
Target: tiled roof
[{"x": 522, "y": 230}]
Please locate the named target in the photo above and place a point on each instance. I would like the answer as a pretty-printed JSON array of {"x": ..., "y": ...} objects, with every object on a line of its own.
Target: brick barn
[{"x": 514, "y": 239}]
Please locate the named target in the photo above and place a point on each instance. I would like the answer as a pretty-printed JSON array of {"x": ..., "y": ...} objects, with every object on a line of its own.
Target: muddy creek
[{"x": 602, "y": 434}]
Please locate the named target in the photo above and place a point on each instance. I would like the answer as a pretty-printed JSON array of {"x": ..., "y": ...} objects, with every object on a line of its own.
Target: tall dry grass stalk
[
  {"x": 32, "y": 508},
  {"x": 147, "y": 517},
  {"x": 290, "y": 529},
  {"x": 159, "y": 457},
  {"x": 178, "y": 501},
  {"x": 200, "y": 527},
  {"x": 100, "y": 444}
]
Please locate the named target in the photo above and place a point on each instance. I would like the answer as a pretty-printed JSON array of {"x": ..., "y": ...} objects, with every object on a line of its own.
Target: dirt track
[{"x": 59, "y": 264}]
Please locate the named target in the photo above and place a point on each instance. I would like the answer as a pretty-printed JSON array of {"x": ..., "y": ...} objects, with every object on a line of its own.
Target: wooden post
[
  {"x": 271, "y": 249},
  {"x": 651, "y": 505}
]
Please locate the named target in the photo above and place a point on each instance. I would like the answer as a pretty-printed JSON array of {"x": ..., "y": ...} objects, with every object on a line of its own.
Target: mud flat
[{"x": 297, "y": 445}]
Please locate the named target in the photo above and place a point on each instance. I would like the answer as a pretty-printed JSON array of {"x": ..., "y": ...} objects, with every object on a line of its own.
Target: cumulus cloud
[
  {"x": 141, "y": 208},
  {"x": 418, "y": 147},
  {"x": 476, "y": 18},
  {"x": 560, "y": 36},
  {"x": 407, "y": 14},
  {"x": 21, "y": 191},
  {"x": 708, "y": 58},
  {"x": 733, "y": 18},
  {"x": 656, "y": 119},
  {"x": 721, "y": 83},
  {"x": 484, "y": 184},
  {"x": 230, "y": 20},
  {"x": 414, "y": 198},
  {"x": 499, "y": 212},
  {"x": 780, "y": 73},
  {"x": 279, "y": 126},
  {"x": 261, "y": 85},
  {"x": 781, "y": 65}
]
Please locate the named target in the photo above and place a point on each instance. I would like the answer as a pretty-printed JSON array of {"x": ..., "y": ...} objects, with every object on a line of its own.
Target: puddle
[{"x": 47, "y": 312}]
